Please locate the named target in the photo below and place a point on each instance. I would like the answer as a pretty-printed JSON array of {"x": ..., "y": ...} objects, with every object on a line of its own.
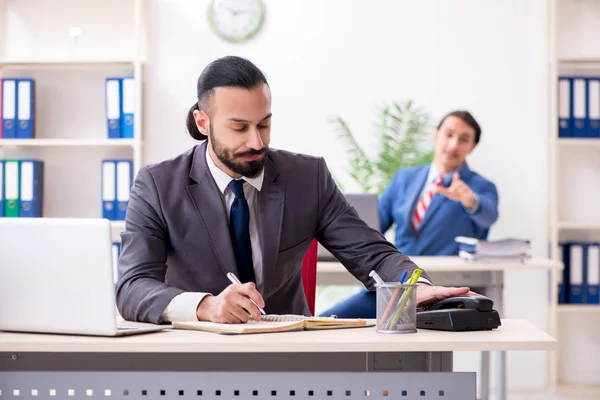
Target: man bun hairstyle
[{"x": 229, "y": 71}]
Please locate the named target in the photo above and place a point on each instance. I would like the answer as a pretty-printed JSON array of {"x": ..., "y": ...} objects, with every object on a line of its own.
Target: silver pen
[{"x": 234, "y": 279}]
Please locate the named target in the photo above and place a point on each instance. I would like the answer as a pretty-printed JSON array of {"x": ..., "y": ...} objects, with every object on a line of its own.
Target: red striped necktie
[{"x": 423, "y": 204}]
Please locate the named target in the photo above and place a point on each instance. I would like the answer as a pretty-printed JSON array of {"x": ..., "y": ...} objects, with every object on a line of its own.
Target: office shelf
[
  {"x": 578, "y": 308},
  {"x": 578, "y": 225},
  {"x": 579, "y": 142},
  {"x": 67, "y": 142},
  {"x": 578, "y": 390},
  {"x": 579, "y": 60},
  {"x": 64, "y": 63}
]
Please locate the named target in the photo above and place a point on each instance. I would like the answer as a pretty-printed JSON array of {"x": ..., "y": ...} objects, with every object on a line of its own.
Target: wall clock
[{"x": 236, "y": 20}]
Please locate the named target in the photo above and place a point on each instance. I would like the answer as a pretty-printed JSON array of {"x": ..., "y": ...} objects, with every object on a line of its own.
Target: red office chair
[{"x": 309, "y": 275}]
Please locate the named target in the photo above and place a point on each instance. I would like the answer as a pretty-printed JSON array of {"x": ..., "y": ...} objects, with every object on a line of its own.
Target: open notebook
[{"x": 275, "y": 323}]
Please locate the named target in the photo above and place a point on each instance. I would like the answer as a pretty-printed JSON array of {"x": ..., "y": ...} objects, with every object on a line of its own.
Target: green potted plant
[{"x": 399, "y": 138}]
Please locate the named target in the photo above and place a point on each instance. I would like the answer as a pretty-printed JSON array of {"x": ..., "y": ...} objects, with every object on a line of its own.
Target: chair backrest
[{"x": 309, "y": 275}]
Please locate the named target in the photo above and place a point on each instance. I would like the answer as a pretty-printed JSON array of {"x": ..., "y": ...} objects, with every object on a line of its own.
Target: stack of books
[{"x": 503, "y": 250}]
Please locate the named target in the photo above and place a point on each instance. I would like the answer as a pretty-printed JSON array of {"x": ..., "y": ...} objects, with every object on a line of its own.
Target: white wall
[
  {"x": 346, "y": 57},
  {"x": 38, "y": 29}
]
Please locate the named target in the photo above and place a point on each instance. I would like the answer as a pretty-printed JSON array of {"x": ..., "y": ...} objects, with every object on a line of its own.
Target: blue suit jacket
[{"x": 444, "y": 220}]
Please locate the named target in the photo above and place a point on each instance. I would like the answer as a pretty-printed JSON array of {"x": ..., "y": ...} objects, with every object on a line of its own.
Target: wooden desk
[
  {"x": 453, "y": 271},
  {"x": 184, "y": 364}
]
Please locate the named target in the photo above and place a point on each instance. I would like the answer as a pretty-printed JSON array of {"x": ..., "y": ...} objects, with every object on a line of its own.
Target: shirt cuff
[
  {"x": 423, "y": 280},
  {"x": 475, "y": 207},
  {"x": 183, "y": 307}
]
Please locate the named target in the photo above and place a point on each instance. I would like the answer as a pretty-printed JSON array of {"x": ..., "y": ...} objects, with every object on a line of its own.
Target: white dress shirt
[{"x": 183, "y": 306}]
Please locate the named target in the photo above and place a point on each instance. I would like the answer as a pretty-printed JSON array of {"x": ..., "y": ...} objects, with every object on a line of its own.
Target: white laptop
[
  {"x": 56, "y": 276},
  {"x": 367, "y": 208}
]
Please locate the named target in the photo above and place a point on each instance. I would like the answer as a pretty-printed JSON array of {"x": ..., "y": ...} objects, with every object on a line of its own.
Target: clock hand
[
  {"x": 223, "y": 6},
  {"x": 236, "y": 12}
]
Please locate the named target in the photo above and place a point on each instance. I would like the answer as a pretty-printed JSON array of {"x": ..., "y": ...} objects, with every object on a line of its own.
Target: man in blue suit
[{"x": 432, "y": 204}]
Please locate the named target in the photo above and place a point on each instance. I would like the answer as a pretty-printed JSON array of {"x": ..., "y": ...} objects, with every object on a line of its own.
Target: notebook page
[
  {"x": 282, "y": 318},
  {"x": 249, "y": 327}
]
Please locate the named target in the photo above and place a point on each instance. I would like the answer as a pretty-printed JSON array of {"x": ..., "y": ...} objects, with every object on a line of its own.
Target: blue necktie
[{"x": 239, "y": 229}]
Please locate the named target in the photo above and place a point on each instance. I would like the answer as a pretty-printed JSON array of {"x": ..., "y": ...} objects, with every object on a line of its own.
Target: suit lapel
[
  {"x": 209, "y": 204},
  {"x": 413, "y": 192},
  {"x": 465, "y": 173},
  {"x": 270, "y": 218}
]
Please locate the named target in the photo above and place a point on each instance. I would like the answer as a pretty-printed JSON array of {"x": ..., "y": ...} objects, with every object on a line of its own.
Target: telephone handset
[
  {"x": 463, "y": 313},
  {"x": 479, "y": 303}
]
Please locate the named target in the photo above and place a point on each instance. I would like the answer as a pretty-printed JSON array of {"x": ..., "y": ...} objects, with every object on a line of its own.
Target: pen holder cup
[{"x": 396, "y": 307}]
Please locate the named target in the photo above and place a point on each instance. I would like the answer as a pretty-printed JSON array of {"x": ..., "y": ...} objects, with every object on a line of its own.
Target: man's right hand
[{"x": 228, "y": 307}]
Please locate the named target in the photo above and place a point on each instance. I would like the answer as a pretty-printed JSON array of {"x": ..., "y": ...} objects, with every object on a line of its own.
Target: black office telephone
[{"x": 464, "y": 313}]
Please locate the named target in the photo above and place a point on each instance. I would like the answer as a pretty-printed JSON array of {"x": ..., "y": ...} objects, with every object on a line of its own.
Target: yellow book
[{"x": 275, "y": 323}]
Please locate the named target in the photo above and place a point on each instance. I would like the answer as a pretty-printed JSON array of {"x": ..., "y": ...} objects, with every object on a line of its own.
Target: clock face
[{"x": 236, "y": 20}]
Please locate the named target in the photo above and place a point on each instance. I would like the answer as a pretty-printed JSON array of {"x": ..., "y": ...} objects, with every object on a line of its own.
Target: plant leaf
[
  {"x": 400, "y": 133},
  {"x": 361, "y": 168}
]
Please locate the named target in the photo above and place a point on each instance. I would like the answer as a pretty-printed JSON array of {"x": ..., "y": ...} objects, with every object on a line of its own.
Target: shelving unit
[
  {"x": 67, "y": 143},
  {"x": 574, "y": 26},
  {"x": 578, "y": 60},
  {"x": 578, "y": 225},
  {"x": 36, "y": 41},
  {"x": 578, "y": 308},
  {"x": 73, "y": 63},
  {"x": 578, "y": 142},
  {"x": 580, "y": 390}
]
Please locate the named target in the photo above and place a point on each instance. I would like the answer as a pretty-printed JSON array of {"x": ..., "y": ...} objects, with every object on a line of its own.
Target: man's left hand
[
  {"x": 427, "y": 294},
  {"x": 459, "y": 191}
]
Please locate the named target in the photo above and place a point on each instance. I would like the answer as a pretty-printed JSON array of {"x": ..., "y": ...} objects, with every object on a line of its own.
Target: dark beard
[{"x": 249, "y": 169}]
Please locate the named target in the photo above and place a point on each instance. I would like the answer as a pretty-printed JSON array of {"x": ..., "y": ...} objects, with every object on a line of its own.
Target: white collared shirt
[
  {"x": 183, "y": 306},
  {"x": 433, "y": 173}
]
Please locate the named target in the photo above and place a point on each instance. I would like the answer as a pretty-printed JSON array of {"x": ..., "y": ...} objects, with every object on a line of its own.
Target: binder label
[
  {"x": 112, "y": 99},
  {"x": 128, "y": 95},
  {"x": 9, "y": 101},
  {"x": 564, "y": 87},
  {"x": 123, "y": 183},
  {"x": 593, "y": 273},
  {"x": 1, "y": 183},
  {"x": 579, "y": 100},
  {"x": 24, "y": 96},
  {"x": 594, "y": 99},
  {"x": 108, "y": 184},
  {"x": 576, "y": 281},
  {"x": 27, "y": 181},
  {"x": 12, "y": 180}
]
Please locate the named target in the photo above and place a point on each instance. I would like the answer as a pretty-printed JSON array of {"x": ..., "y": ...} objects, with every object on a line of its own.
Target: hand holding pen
[
  {"x": 234, "y": 279},
  {"x": 236, "y": 304}
]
